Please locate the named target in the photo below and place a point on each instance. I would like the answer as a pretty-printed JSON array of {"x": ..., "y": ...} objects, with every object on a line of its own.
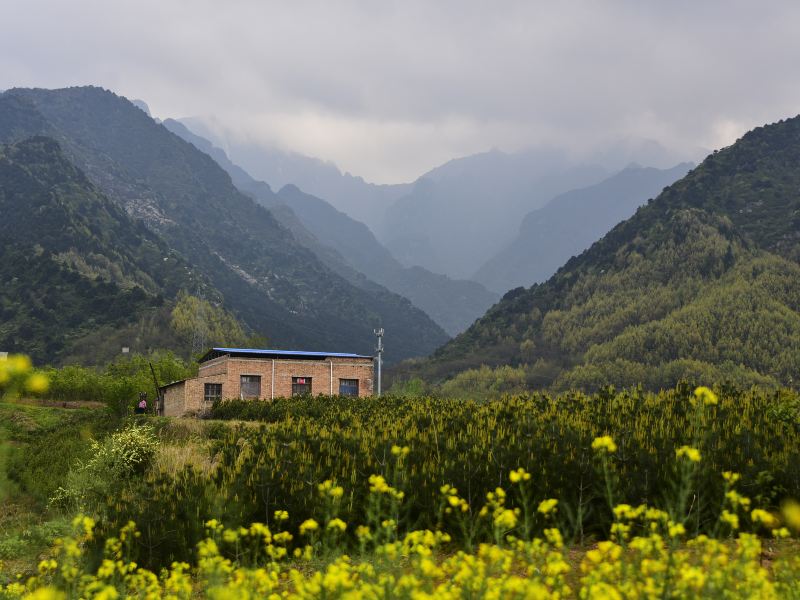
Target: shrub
[{"x": 117, "y": 458}]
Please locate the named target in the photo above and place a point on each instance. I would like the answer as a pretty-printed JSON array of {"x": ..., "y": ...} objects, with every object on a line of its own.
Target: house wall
[
  {"x": 174, "y": 399},
  {"x": 325, "y": 375}
]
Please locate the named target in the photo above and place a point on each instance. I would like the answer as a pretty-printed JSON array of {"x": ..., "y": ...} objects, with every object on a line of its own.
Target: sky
[{"x": 388, "y": 90}]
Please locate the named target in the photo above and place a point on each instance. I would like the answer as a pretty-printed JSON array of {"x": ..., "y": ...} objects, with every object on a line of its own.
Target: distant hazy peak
[{"x": 143, "y": 105}]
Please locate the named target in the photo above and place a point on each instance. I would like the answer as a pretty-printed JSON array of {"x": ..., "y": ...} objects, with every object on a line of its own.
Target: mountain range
[
  {"x": 570, "y": 223},
  {"x": 455, "y": 217},
  {"x": 363, "y": 201},
  {"x": 250, "y": 263},
  {"x": 702, "y": 282},
  {"x": 113, "y": 225},
  {"x": 459, "y": 214},
  {"x": 349, "y": 247}
]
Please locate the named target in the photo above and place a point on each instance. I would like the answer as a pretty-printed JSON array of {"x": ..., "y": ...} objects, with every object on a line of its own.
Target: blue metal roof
[{"x": 296, "y": 353}]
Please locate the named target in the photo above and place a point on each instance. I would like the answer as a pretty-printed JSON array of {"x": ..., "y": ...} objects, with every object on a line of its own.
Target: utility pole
[{"x": 379, "y": 350}]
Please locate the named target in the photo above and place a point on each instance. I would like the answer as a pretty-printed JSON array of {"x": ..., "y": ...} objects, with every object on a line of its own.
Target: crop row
[{"x": 254, "y": 469}]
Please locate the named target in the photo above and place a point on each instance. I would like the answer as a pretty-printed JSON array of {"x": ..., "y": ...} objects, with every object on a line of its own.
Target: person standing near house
[{"x": 141, "y": 408}]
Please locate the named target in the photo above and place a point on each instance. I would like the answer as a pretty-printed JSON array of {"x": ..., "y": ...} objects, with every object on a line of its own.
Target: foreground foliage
[
  {"x": 242, "y": 472},
  {"x": 354, "y": 498},
  {"x": 38, "y": 447},
  {"x": 271, "y": 562}
]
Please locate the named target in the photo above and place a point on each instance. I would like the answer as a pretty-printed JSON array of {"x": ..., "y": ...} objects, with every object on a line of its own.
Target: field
[{"x": 617, "y": 494}]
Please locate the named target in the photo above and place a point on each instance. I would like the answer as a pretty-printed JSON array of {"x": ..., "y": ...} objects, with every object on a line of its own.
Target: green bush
[
  {"x": 47, "y": 442},
  {"x": 118, "y": 385},
  {"x": 113, "y": 461}
]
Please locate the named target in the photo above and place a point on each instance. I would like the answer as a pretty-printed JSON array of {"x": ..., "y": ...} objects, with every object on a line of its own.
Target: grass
[
  {"x": 17, "y": 422},
  {"x": 37, "y": 443}
]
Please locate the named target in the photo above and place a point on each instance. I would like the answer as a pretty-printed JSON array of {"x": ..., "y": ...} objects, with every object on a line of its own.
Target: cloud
[{"x": 387, "y": 90}]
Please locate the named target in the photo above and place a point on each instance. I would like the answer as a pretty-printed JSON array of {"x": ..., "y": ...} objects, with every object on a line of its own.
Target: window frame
[
  {"x": 353, "y": 385},
  {"x": 211, "y": 397},
  {"x": 306, "y": 385},
  {"x": 244, "y": 385}
]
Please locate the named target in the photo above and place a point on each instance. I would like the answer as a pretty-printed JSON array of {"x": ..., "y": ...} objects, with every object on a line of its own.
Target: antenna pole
[{"x": 379, "y": 350}]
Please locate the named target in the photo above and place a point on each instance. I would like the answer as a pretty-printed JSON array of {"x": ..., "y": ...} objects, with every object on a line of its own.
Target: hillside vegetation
[
  {"x": 570, "y": 223},
  {"x": 238, "y": 253},
  {"x": 701, "y": 283},
  {"x": 73, "y": 261}
]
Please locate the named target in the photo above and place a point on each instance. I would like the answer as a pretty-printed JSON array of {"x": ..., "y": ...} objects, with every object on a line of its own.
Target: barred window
[
  {"x": 250, "y": 386},
  {"x": 301, "y": 386},
  {"x": 212, "y": 392},
  {"x": 348, "y": 387}
]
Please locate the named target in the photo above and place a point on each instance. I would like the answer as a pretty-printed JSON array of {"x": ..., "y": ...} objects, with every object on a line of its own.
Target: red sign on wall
[{"x": 301, "y": 380}]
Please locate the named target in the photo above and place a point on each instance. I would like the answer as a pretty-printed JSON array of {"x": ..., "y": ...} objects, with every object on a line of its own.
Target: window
[
  {"x": 348, "y": 387},
  {"x": 301, "y": 386},
  {"x": 212, "y": 392},
  {"x": 250, "y": 386}
]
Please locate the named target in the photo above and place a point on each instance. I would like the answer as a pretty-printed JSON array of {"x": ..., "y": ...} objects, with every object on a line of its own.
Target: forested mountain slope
[
  {"x": 275, "y": 285},
  {"x": 702, "y": 282},
  {"x": 570, "y": 223},
  {"x": 343, "y": 242},
  {"x": 72, "y": 260}
]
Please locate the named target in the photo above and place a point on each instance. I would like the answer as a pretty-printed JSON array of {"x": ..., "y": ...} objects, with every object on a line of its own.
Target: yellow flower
[
  {"x": 736, "y": 499},
  {"x": 519, "y": 475},
  {"x": 693, "y": 577},
  {"x": 676, "y": 529},
  {"x": 328, "y": 488},
  {"x": 85, "y": 523},
  {"x": 706, "y": 396},
  {"x": 781, "y": 533},
  {"x": 37, "y": 383},
  {"x": 18, "y": 364},
  {"x": 400, "y": 450},
  {"x": 377, "y": 484},
  {"x": 506, "y": 519},
  {"x": 337, "y": 524},
  {"x": 604, "y": 444},
  {"x": 730, "y": 518},
  {"x": 47, "y": 566},
  {"x": 547, "y": 506},
  {"x": 693, "y": 454},
  {"x": 604, "y": 591},
  {"x": 553, "y": 536},
  {"x": 731, "y": 477},
  {"x": 214, "y": 525},
  {"x": 308, "y": 525},
  {"x": 764, "y": 518},
  {"x": 45, "y": 593},
  {"x": 791, "y": 514},
  {"x": 230, "y": 536}
]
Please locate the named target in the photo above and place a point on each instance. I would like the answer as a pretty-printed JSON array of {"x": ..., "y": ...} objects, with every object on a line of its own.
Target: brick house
[{"x": 244, "y": 373}]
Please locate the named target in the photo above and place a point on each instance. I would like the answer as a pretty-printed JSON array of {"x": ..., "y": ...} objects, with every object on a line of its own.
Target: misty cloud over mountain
[{"x": 389, "y": 91}]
